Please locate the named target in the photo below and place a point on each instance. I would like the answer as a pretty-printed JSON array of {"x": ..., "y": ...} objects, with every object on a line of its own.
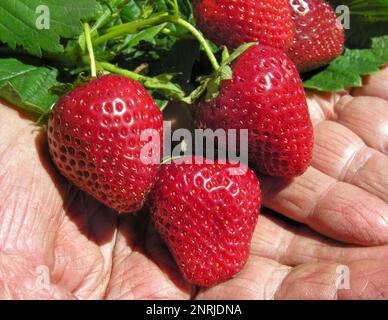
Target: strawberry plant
[{"x": 96, "y": 74}]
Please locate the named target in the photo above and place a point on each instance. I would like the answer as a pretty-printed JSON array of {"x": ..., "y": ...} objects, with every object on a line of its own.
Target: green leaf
[
  {"x": 147, "y": 35},
  {"x": 62, "y": 88},
  {"x": 163, "y": 85},
  {"x": 27, "y": 86},
  {"x": 109, "y": 7},
  {"x": 199, "y": 91},
  {"x": 38, "y": 25},
  {"x": 135, "y": 9},
  {"x": 162, "y": 103},
  {"x": 131, "y": 11},
  {"x": 226, "y": 73},
  {"x": 228, "y": 59},
  {"x": 213, "y": 88},
  {"x": 348, "y": 69},
  {"x": 211, "y": 84}
]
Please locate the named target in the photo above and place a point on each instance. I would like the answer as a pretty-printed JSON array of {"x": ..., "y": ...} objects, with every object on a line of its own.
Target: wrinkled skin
[{"x": 340, "y": 205}]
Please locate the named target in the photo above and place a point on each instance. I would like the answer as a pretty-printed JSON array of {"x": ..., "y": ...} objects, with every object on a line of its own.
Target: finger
[
  {"x": 321, "y": 105},
  {"x": 265, "y": 279},
  {"x": 368, "y": 279},
  {"x": 368, "y": 118},
  {"x": 375, "y": 85},
  {"x": 27, "y": 236},
  {"x": 310, "y": 281},
  {"x": 295, "y": 244},
  {"x": 259, "y": 280},
  {"x": 27, "y": 191},
  {"x": 336, "y": 209},
  {"x": 341, "y": 154}
]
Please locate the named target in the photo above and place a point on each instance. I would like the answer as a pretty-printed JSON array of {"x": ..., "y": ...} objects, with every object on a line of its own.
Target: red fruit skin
[
  {"x": 94, "y": 140},
  {"x": 266, "y": 97},
  {"x": 236, "y": 22},
  {"x": 207, "y": 217},
  {"x": 319, "y": 38}
]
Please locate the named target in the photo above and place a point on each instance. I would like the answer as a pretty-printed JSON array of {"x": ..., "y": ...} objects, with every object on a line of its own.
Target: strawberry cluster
[{"x": 205, "y": 213}]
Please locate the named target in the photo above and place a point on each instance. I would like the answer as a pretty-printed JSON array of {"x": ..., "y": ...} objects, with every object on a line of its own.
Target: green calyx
[{"x": 210, "y": 85}]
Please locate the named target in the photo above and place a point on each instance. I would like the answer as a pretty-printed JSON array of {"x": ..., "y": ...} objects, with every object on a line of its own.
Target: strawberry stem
[
  {"x": 166, "y": 88},
  {"x": 135, "y": 26},
  {"x": 132, "y": 27},
  {"x": 89, "y": 45},
  {"x": 130, "y": 74},
  {"x": 168, "y": 32},
  {"x": 183, "y": 23}
]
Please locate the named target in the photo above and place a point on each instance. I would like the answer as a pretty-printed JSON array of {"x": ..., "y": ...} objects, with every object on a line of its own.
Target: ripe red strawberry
[
  {"x": 94, "y": 140},
  {"x": 265, "y": 97},
  {"x": 236, "y": 22},
  {"x": 319, "y": 38},
  {"x": 207, "y": 216}
]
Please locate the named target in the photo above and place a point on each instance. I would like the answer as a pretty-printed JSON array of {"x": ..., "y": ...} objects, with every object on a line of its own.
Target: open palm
[{"x": 335, "y": 214}]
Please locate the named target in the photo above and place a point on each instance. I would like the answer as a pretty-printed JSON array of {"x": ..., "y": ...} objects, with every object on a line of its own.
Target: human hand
[{"x": 89, "y": 252}]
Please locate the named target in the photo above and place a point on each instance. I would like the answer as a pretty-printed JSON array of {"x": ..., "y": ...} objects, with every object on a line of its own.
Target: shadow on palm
[{"x": 78, "y": 206}]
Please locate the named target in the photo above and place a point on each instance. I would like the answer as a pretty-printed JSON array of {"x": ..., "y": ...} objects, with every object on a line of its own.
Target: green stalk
[
  {"x": 168, "y": 32},
  {"x": 130, "y": 74},
  {"x": 137, "y": 77},
  {"x": 136, "y": 26},
  {"x": 131, "y": 27},
  {"x": 107, "y": 15},
  {"x": 89, "y": 45},
  {"x": 201, "y": 40},
  {"x": 102, "y": 20}
]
